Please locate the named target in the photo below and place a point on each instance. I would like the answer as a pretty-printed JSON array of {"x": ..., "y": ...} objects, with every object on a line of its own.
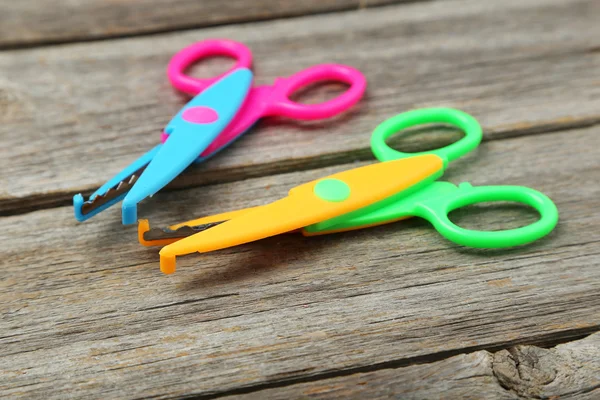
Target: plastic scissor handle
[
  {"x": 190, "y": 133},
  {"x": 283, "y": 88},
  {"x": 197, "y": 51},
  {"x": 436, "y": 211},
  {"x": 460, "y": 119}
]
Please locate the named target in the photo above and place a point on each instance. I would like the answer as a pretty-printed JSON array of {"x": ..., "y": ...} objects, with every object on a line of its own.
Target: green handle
[
  {"x": 436, "y": 211},
  {"x": 457, "y": 118}
]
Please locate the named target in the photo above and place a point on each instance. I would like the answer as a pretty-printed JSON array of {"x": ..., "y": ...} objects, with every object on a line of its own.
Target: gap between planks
[
  {"x": 567, "y": 370},
  {"x": 545, "y": 341},
  {"x": 8, "y": 41},
  {"x": 529, "y": 77},
  {"x": 60, "y": 199}
]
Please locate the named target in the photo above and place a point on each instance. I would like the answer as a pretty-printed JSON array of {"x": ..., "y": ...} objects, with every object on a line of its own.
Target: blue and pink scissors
[{"x": 224, "y": 107}]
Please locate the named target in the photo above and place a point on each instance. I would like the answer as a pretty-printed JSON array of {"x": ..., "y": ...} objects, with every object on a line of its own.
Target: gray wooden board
[
  {"x": 31, "y": 22},
  {"x": 87, "y": 313},
  {"x": 568, "y": 371},
  {"x": 74, "y": 115}
]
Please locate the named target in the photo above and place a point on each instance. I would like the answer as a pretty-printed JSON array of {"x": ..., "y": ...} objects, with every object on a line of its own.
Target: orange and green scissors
[{"x": 402, "y": 185}]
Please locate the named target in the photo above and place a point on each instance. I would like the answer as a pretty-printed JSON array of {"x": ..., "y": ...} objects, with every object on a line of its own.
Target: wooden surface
[
  {"x": 106, "y": 102},
  {"x": 393, "y": 311},
  {"x": 33, "y": 23},
  {"x": 570, "y": 370}
]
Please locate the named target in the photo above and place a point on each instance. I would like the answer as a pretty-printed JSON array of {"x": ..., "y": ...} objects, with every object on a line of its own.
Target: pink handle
[
  {"x": 194, "y": 53},
  {"x": 280, "y": 103}
]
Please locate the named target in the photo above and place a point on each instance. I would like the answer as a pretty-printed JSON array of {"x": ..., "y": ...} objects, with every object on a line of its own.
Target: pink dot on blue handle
[{"x": 200, "y": 115}]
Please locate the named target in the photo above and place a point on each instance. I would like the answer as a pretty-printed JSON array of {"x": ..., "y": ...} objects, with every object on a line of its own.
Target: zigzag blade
[
  {"x": 122, "y": 187},
  {"x": 179, "y": 233}
]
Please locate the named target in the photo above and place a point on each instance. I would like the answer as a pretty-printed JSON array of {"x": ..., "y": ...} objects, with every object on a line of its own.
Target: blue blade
[
  {"x": 127, "y": 172},
  {"x": 201, "y": 159},
  {"x": 187, "y": 139},
  {"x": 78, "y": 199}
]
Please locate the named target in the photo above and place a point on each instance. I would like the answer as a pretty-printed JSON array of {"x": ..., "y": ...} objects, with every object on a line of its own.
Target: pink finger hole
[
  {"x": 319, "y": 92},
  {"x": 190, "y": 55}
]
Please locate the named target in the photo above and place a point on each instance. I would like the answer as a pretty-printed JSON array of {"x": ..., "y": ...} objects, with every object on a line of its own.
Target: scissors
[
  {"x": 402, "y": 185},
  {"x": 224, "y": 108}
]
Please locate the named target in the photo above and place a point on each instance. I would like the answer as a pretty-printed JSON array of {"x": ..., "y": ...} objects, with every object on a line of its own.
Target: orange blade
[
  {"x": 305, "y": 206},
  {"x": 144, "y": 226},
  {"x": 226, "y": 216}
]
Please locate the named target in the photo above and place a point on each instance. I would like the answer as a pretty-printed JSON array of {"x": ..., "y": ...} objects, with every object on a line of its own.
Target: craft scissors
[
  {"x": 224, "y": 108},
  {"x": 402, "y": 185}
]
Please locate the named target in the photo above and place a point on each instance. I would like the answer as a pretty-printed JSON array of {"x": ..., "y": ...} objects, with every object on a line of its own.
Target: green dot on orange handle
[{"x": 332, "y": 190}]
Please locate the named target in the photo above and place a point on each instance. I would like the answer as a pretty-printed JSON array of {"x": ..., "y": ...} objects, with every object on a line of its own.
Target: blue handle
[{"x": 190, "y": 132}]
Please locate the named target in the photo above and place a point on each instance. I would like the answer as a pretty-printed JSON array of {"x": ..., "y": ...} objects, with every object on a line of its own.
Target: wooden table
[{"x": 393, "y": 311}]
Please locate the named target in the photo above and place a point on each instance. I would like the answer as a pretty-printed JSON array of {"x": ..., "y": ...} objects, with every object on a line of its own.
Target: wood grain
[
  {"x": 571, "y": 370},
  {"x": 94, "y": 107},
  {"x": 567, "y": 371},
  {"x": 31, "y": 22},
  {"x": 86, "y": 310}
]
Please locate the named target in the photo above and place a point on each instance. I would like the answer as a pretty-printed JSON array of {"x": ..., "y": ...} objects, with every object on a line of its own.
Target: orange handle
[{"x": 309, "y": 203}]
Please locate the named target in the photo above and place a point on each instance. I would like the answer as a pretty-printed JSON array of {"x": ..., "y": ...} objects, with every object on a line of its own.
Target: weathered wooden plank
[
  {"x": 570, "y": 370},
  {"x": 85, "y": 309},
  {"x": 74, "y": 115},
  {"x": 31, "y": 22},
  {"x": 567, "y": 371}
]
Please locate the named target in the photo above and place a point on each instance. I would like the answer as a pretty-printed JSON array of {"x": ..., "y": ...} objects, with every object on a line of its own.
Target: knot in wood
[{"x": 526, "y": 369}]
